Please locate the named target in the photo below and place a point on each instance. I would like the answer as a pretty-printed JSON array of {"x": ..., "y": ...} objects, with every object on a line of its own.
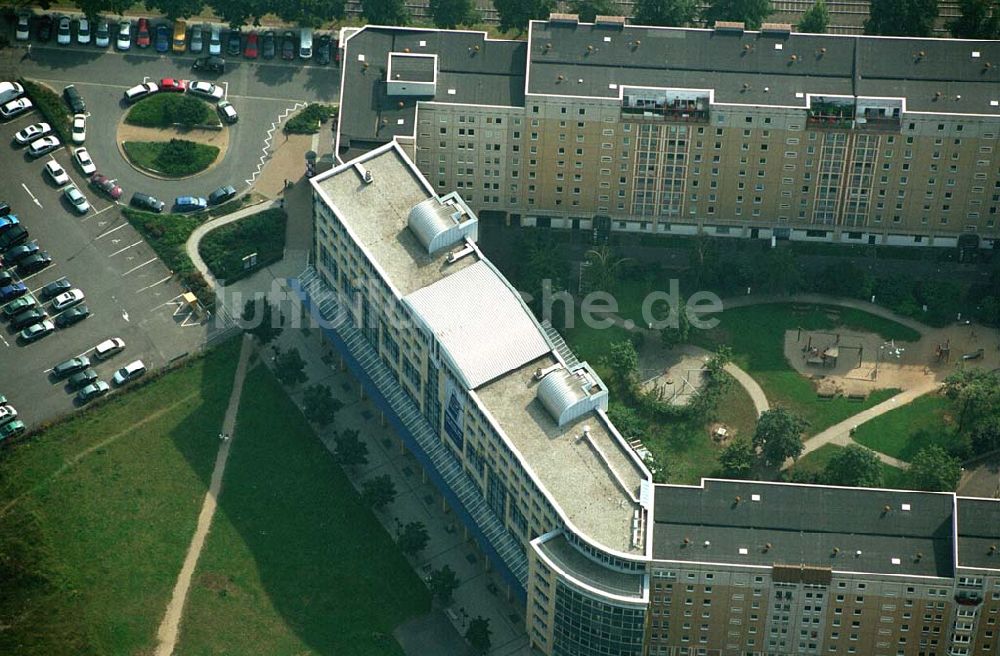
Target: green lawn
[
  {"x": 903, "y": 432},
  {"x": 224, "y": 248},
  {"x": 294, "y": 564},
  {"x": 756, "y": 333},
  {"x": 815, "y": 462},
  {"x": 591, "y": 344},
  {"x": 166, "y": 109},
  {"x": 176, "y": 158},
  {"x": 100, "y": 510}
]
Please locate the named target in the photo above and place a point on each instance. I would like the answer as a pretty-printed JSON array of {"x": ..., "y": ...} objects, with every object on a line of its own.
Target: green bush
[
  {"x": 175, "y": 158},
  {"x": 165, "y": 110},
  {"x": 50, "y": 106},
  {"x": 224, "y": 249},
  {"x": 308, "y": 120}
]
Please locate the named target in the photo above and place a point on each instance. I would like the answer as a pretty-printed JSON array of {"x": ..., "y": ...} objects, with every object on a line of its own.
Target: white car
[
  {"x": 83, "y": 160},
  {"x": 109, "y": 347},
  {"x": 77, "y": 199},
  {"x": 63, "y": 35},
  {"x": 15, "y": 107},
  {"x": 32, "y": 132},
  {"x": 124, "y": 40},
  {"x": 141, "y": 91},
  {"x": 56, "y": 172},
  {"x": 83, "y": 32},
  {"x": 102, "y": 37},
  {"x": 131, "y": 371},
  {"x": 7, "y": 413},
  {"x": 67, "y": 300},
  {"x": 23, "y": 32},
  {"x": 206, "y": 89},
  {"x": 39, "y": 147},
  {"x": 79, "y": 128},
  {"x": 227, "y": 112},
  {"x": 9, "y": 91}
]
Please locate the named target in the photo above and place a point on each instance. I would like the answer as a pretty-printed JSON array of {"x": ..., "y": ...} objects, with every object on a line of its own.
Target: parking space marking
[
  {"x": 37, "y": 202},
  {"x": 97, "y": 213},
  {"x": 108, "y": 232},
  {"x": 122, "y": 250},
  {"x": 78, "y": 355},
  {"x": 37, "y": 289},
  {"x": 225, "y": 94},
  {"x": 136, "y": 268},
  {"x": 158, "y": 282},
  {"x": 5, "y": 342},
  {"x": 45, "y": 270},
  {"x": 266, "y": 149}
]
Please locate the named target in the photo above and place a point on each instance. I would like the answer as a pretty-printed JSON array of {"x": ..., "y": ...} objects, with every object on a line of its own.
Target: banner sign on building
[{"x": 454, "y": 412}]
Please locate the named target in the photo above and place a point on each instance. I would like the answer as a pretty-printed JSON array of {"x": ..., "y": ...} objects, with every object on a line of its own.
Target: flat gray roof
[
  {"x": 592, "y": 58},
  {"x": 805, "y": 524},
  {"x": 570, "y": 560},
  {"x": 978, "y": 533},
  {"x": 573, "y": 472},
  {"x": 377, "y": 214}
]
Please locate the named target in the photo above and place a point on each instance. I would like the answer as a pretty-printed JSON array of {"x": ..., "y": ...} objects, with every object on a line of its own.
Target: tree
[
  {"x": 588, "y": 10},
  {"x": 350, "y": 450},
  {"x": 854, "y": 466},
  {"x": 976, "y": 392},
  {"x": 413, "y": 538},
  {"x": 442, "y": 583},
  {"x": 672, "y": 335},
  {"x": 174, "y": 9},
  {"x": 815, "y": 19},
  {"x": 986, "y": 435},
  {"x": 737, "y": 458},
  {"x": 751, "y": 12},
  {"x": 901, "y": 17},
  {"x": 779, "y": 435},
  {"x": 378, "y": 492},
  {"x": 627, "y": 420},
  {"x": 515, "y": 14},
  {"x": 320, "y": 406},
  {"x": 665, "y": 13},
  {"x": 623, "y": 361},
  {"x": 449, "y": 14},
  {"x": 604, "y": 268},
  {"x": 385, "y": 12},
  {"x": 259, "y": 320},
  {"x": 238, "y": 12},
  {"x": 478, "y": 634},
  {"x": 93, "y": 8},
  {"x": 188, "y": 111},
  {"x": 980, "y": 19},
  {"x": 932, "y": 469},
  {"x": 289, "y": 367}
]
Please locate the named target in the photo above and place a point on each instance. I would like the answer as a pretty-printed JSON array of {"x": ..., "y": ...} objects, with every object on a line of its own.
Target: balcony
[
  {"x": 835, "y": 121},
  {"x": 880, "y": 123},
  {"x": 678, "y": 111}
]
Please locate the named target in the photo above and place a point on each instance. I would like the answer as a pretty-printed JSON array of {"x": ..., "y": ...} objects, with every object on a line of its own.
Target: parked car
[
  {"x": 43, "y": 32},
  {"x": 140, "y": 91},
  {"x": 197, "y": 42},
  {"x": 147, "y": 202},
  {"x": 83, "y": 160},
  {"x": 288, "y": 46},
  {"x": 43, "y": 145},
  {"x": 71, "y": 366},
  {"x": 107, "y": 185},
  {"x": 10, "y": 91},
  {"x": 37, "y": 331},
  {"x": 142, "y": 39},
  {"x": 129, "y": 372},
  {"x": 79, "y": 128},
  {"x": 82, "y": 379},
  {"x": 8, "y": 221},
  {"x": 63, "y": 35},
  {"x": 19, "y": 305},
  {"x": 267, "y": 45},
  {"x": 73, "y": 315},
  {"x": 221, "y": 195},
  {"x": 15, "y": 107},
  {"x": 92, "y": 391},
  {"x": 6, "y": 278},
  {"x": 7, "y": 413},
  {"x": 55, "y": 288},
  {"x": 250, "y": 48},
  {"x": 11, "y": 428},
  {"x": 206, "y": 89},
  {"x": 180, "y": 37},
  {"x": 23, "y": 30},
  {"x": 306, "y": 43},
  {"x": 83, "y": 31},
  {"x": 161, "y": 40},
  {"x": 324, "y": 50},
  {"x": 67, "y": 300},
  {"x": 76, "y": 199},
  {"x": 56, "y": 172},
  {"x": 34, "y": 263},
  {"x": 124, "y": 40},
  {"x": 16, "y": 235},
  {"x": 189, "y": 204},
  {"x": 172, "y": 84},
  {"x": 233, "y": 43},
  {"x": 4, "y": 208},
  {"x": 17, "y": 253},
  {"x": 74, "y": 99},
  {"x": 12, "y": 291},
  {"x": 102, "y": 35},
  {"x": 33, "y": 131},
  {"x": 215, "y": 40},
  {"x": 109, "y": 347},
  {"x": 211, "y": 64},
  {"x": 26, "y": 318},
  {"x": 227, "y": 112}
]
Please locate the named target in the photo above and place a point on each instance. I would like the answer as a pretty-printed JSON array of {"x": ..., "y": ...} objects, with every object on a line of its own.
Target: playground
[{"x": 675, "y": 375}]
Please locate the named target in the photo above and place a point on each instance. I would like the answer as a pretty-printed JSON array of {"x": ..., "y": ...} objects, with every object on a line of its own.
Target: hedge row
[
  {"x": 51, "y": 106},
  {"x": 309, "y": 119}
]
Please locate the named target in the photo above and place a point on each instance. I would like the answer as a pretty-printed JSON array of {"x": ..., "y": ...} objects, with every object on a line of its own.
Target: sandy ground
[{"x": 676, "y": 373}]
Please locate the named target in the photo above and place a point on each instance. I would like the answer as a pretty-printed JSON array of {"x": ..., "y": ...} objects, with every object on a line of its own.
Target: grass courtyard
[
  {"x": 903, "y": 432},
  {"x": 815, "y": 462}
]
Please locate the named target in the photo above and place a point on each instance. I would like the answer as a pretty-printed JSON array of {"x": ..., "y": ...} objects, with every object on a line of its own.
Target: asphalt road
[
  {"x": 260, "y": 91},
  {"x": 129, "y": 291}
]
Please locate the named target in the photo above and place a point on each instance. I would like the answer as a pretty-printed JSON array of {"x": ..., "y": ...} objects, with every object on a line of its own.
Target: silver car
[
  {"x": 197, "y": 42},
  {"x": 77, "y": 199}
]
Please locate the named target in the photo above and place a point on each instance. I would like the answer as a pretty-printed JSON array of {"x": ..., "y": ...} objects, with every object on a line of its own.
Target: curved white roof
[{"x": 431, "y": 221}]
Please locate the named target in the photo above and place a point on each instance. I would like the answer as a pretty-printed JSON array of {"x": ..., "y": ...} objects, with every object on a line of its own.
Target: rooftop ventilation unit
[
  {"x": 459, "y": 254},
  {"x": 564, "y": 19},
  {"x": 440, "y": 223},
  {"x": 729, "y": 27},
  {"x": 776, "y": 29},
  {"x": 617, "y": 22}
]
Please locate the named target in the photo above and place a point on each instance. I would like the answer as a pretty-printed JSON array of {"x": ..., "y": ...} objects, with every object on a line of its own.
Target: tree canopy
[
  {"x": 588, "y": 10},
  {"x": 260, "y": 320},
  {"x": 350, "y": 450},
  {"x": 378, "y": 492},
  {"x": 449, "y": 14},
  {"x": 932, "y": 469},
  {"x": 751, "y": 12},
  {"x": 289, "y": 367},
  {"x": 442, "y": 583},
  {"x": 385, "y": 12},
  {"x": 737, "y": 458},
  {"x": 816, "y": 19},
  {"x": 979, "y": 19},
  {"x": 901, "y": 17},
  {"x": 414, "y": 538},
  {"x": 666, "y": 13},
  {"x": 478, "y": 634},
  {"x": 854, "y": 466},
  {"x": 779, "y": 435},
  {"x": 623, "y": 360},
  {"x": 515, "y": 14}
]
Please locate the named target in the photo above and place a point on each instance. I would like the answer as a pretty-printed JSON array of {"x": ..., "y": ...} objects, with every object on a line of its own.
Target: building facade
[
  {"x": 512, "y": 430},
  {"x": 669, "y": 131}
]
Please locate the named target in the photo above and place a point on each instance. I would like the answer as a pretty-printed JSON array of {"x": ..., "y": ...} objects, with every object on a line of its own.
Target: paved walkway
[
  {"x": 167, "y": 634},
  {"x": 864, "y": 306}
]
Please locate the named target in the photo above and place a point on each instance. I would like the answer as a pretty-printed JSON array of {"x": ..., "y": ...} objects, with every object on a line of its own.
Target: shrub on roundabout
[
  {"x": 168, "y": 110},
  {"x": 174, "y": 159}
]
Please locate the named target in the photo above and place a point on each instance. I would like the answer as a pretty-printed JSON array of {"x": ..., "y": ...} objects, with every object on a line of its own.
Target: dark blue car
[
  {"x": 10, "y": 292},
  {"x": 189, "y": 204},
  {"x": 8, "y": 221},
  {"x": 162, "y": 40}
]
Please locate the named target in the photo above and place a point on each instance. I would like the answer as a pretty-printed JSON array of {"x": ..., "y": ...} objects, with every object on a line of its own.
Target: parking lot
[{"x": 129, "y": 291}]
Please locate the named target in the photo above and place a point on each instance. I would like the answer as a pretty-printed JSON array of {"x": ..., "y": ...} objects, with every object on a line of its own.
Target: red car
[
  {"x": 106, "y": 185},
  {"x": 250, "y": 50},
  {"x": 170, "y": 84},
  {"x": 142, "y": 34}
]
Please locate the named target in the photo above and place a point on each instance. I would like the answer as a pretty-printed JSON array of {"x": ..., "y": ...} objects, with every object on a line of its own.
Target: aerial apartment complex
[
  {"x": 673, "y": 131},
  {"x": 512, "y": 430}
]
